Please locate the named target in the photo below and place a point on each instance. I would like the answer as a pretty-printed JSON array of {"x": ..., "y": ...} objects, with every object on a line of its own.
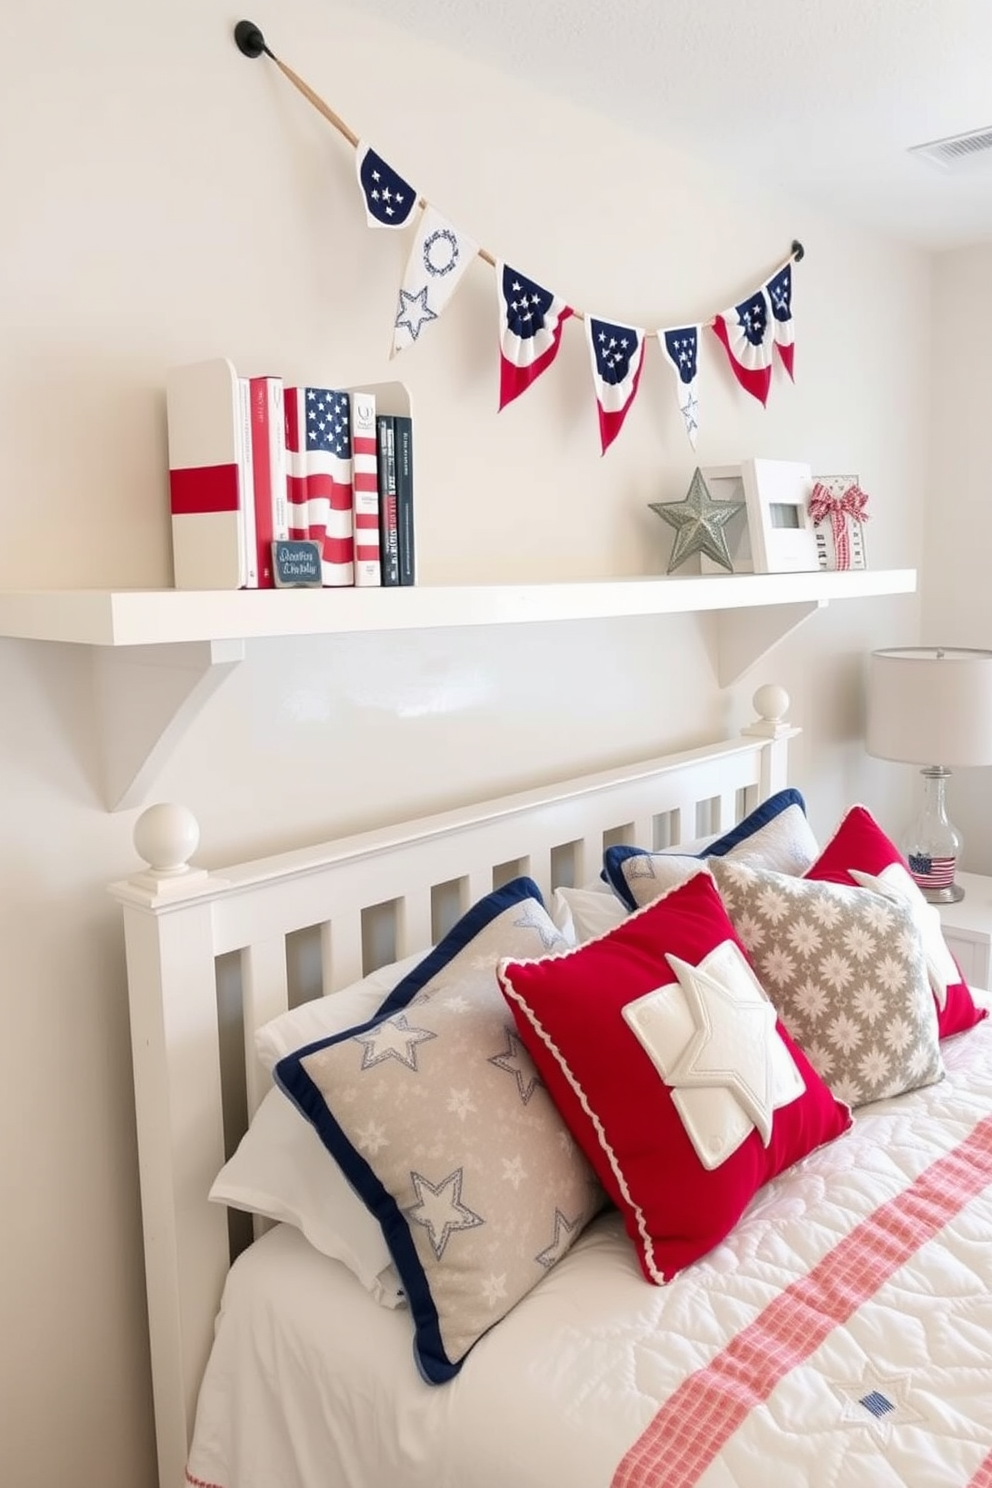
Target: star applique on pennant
[
  {"x": 896, "y": 884},
  {"x": 414, "y": 312},
  {"x": 699, "y": 524},
  {"x": 440, "y": 1210},
  {"x": 393, "y": 1039}
]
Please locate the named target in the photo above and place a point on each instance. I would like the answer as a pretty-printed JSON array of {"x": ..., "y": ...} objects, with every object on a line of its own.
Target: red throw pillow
[
  {"x": 676, "y": 1077},
  {"x": 860, "y": 850}
]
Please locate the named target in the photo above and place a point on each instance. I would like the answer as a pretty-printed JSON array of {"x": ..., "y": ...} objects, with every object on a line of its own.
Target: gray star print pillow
[
  {"x": 438, "y": 1119},
  {"x": 846, "y": 969}
]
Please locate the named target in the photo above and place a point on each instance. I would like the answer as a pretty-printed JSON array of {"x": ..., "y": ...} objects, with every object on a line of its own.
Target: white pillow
[
  {"x": 281, "y": 1170},
  {"x": 586, "y": 913}
]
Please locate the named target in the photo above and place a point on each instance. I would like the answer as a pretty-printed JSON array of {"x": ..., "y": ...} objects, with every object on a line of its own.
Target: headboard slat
[{"x": 265, "y": 994}]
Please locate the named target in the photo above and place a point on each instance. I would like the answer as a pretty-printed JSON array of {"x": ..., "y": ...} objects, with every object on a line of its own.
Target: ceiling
[{"x": 818, "y": 98}]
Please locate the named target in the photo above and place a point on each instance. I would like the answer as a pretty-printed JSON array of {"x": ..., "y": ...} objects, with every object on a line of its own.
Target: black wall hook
[
  {"x": 798, "y": 251},
  {"x": 249, "y": 39}
]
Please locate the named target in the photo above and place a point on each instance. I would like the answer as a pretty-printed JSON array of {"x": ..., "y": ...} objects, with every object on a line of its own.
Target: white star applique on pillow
[{"x": 718, "y": 1049}]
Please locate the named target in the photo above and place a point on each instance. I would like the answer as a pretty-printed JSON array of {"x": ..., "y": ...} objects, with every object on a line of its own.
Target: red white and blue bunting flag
[
  {"x": 779, "y": 292},
  {"x": 681, "y": 349},
  {"x": 438, "y": 259},
  {"x": 617, "y": 353},
  {"x": 389, "y": 201},
  {"x": 746, "y": 334},
  {"x": 530, "y": 326},
  {"x": 441, "y": 253}
]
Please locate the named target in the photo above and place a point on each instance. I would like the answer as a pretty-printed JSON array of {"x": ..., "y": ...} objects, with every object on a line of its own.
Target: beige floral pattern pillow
[{"x": 846, "y": 969}]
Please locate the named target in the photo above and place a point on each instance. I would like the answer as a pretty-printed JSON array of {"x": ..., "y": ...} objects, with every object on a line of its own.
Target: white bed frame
[{"x": 178, "y": 920}]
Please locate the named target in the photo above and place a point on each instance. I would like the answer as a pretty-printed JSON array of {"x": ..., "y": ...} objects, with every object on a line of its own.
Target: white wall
[
  {"x": 958, "y": 538},
  {"x": 164, "y": 199}
]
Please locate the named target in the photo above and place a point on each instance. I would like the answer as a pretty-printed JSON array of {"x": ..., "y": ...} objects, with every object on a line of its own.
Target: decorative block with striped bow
[{"x": 838, "y": 509}]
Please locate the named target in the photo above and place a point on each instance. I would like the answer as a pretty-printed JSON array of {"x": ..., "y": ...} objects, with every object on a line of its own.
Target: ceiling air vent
[{"x": 958, "y": 151}]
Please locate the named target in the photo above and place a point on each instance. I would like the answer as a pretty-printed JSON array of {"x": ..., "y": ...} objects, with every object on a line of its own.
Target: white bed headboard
[{"x": 179, "y": 921}]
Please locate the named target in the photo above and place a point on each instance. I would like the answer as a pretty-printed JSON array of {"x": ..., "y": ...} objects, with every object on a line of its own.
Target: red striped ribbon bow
[{"x": 849, "y": 506}]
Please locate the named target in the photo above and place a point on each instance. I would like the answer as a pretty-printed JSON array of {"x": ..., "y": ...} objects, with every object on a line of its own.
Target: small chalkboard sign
[{"x": 296, "y": 565}]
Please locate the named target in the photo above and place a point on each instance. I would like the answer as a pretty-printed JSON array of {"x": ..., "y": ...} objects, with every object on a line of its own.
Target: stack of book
[{"x": 254, "y": 462}]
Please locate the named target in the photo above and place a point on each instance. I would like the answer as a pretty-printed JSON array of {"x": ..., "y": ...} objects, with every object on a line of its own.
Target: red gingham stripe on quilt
[
  {"x": 983, "y": 1477},
  {"x": 708, "y": 1407}
]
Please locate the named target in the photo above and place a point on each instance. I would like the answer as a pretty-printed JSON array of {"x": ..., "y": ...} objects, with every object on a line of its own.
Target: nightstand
[{"x": 968, "y": 928}]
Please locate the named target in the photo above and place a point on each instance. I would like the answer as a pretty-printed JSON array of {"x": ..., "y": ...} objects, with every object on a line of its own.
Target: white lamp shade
[{"x": 931, "y": 705}]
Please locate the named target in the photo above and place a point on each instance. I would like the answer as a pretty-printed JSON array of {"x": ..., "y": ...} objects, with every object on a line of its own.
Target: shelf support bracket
[
  {"x": 746, "y": 635},
  {"x": 146, "y": 697}
]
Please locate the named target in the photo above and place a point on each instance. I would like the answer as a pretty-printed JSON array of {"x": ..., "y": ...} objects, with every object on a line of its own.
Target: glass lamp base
[
  {"x": 948, "y": 895},
  {"x": 934, "y": 844}
]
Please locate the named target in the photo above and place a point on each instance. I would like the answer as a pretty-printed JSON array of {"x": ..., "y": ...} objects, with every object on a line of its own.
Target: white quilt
[{"x": 841, "y": 1337}]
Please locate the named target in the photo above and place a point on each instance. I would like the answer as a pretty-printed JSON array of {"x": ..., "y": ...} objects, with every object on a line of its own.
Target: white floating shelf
[
  {"x": 159, "y": 654},
  {"x": 145, "y": 617}
]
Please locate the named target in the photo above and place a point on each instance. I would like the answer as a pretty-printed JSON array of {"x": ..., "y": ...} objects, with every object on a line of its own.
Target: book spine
[
  {"x": 404, "y": 499},
  {"x": 202, "y": 407},
  {"x": 279, "y": 503},
  {"x": 263, "y": 437},
  {"x": 365, "y": 491},
  {"x": 246, "y": 482},
  {"x": 388, "y": 528},
  {"x": 295, "y": 441},
  {"x": 330, "y": 502}
]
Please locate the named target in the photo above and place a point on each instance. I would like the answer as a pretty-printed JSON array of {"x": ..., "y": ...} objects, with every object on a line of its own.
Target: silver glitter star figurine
[{"x": 699, "y": 524}]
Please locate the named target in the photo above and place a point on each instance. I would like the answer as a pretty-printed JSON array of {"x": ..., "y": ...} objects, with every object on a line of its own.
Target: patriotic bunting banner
[
  {"x": 530, "y": 326},
  {"x": 438, "y": 259},
  {"x": 389, "y": 201},
  {"x": 779, "y": 292},
  {"x": 617, "y": 353},
  {"x": 746, "y": 334},
  {"x": 681, "y": 349},
  {"x": 532, "y": 318}
]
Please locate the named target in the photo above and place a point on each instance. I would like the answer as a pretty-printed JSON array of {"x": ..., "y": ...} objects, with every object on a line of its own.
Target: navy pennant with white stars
[
  {"x": 617, "y": 354},
  {"x": 530, "y": 325},
  {"x": 779, "y": 292},
  {"x": 747, "y": 340},
  {"x": 389, "y": 200}
]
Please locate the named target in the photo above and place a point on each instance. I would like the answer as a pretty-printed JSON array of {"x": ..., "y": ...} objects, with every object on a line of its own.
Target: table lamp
[{"x": 932, "y": 706}]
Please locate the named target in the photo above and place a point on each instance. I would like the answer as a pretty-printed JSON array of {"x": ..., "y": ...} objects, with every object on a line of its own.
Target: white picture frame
[
  {"x": 825, "y": 548},
  {"x": 783, "y": 539},
  {"x": 726, "y": 483}
]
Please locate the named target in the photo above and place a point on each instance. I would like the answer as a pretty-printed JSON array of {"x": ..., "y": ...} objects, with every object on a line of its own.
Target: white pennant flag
[
  {"x": 438, "y": 259},
  {"x": 681, "y": 349}
]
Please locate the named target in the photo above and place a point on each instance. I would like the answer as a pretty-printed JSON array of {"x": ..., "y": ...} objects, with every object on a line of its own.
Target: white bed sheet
[{"x": 312, "y": 1385}]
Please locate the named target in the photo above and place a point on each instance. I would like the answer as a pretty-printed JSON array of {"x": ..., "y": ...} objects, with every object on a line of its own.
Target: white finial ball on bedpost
[
  {"x": 771, "y": 703},
  {"x": 166, "y": 836}
]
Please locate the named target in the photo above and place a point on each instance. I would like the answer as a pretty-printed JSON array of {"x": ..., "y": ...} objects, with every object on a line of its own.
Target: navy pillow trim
[
  {"x": 429, "y": 1353},
  {"x": 615, "y": 857},
  {"x": 457, "y": 938}
]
